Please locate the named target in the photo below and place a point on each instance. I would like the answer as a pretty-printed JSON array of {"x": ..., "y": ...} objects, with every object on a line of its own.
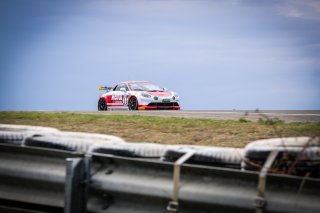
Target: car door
[{"x": 118, "y": 95}]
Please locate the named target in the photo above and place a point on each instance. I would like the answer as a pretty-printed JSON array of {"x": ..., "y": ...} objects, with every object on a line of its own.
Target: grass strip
[{"x": 136, "y": 128}]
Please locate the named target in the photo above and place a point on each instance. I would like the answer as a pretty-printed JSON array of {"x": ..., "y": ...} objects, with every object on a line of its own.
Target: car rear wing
[{"x": 104, "y": 88}]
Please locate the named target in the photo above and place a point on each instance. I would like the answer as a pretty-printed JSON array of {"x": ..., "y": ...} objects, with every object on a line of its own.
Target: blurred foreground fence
[{"x": 45, "y": 170}]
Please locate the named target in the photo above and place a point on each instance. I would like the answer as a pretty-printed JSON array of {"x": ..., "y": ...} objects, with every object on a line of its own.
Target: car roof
[{"x": 130, "y": 82}]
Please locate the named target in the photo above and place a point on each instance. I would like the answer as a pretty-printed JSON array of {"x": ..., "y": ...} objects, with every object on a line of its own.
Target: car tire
[
  {"x": 50, "y": 142},
  {"x": 133, "y": 103},
  {"x": 296, "y": 155},
  {"x": 15, "y": 138},
  {"x": 211, "y": 156},
  {"x": 102, "y": 105},
  {"x": 140, "y": 150}
]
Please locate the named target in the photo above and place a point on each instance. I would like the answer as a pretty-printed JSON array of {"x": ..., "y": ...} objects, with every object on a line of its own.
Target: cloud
[{"x": 302, "y": 9}]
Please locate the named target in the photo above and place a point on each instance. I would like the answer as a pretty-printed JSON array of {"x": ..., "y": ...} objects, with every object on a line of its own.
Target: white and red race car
[{"x": 138, "y": 95}]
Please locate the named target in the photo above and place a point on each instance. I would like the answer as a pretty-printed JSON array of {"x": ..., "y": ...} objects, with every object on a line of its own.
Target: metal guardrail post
[
  {"x": 75, "y": 186},
  {"x": 173, "y": 205},
  {"x": 87, "y": 177},
  {"x": 260, "y": 200}
]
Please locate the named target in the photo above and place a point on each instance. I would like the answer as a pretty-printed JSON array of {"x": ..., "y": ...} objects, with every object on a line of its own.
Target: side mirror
[
  {"x": 165, "y": 89},
  {"x": 123, "y": 89}
]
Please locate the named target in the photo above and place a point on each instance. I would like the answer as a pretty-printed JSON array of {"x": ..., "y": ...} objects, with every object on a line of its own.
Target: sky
[{"x": 217, "y": 55}]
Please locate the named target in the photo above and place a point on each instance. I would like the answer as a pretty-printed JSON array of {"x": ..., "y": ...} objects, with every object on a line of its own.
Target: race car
[{"x": 138, "y": 95}]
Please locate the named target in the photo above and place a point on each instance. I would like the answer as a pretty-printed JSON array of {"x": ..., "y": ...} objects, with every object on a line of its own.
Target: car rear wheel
[
  {"x": 102, "y": 105},
  {"x": 133, "y": 103}
]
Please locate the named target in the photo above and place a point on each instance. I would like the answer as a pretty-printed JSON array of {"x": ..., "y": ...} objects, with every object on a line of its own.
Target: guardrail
[{"x": 52, "y": 172}]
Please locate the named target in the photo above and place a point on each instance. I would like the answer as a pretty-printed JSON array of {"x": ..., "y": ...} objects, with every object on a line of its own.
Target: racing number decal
[
  {"x": 125, "y": 99},
  {"x": 120, "y": 99}
]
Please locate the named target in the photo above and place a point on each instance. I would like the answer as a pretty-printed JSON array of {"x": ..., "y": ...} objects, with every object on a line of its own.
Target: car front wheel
[
  {"x": 133, "y": 103},
  {"x": 102, "y": 105}
]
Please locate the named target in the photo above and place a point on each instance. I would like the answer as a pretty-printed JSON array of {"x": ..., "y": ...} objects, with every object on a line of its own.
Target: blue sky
[{"x": 215, "y": 54}]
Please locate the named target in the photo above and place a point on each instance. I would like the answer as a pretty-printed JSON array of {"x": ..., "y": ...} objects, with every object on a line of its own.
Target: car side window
[{"x": 118, "y": 88}]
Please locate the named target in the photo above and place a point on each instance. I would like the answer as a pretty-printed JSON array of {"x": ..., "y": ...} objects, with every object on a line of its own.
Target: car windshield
[{"x": 145, "y": 86}]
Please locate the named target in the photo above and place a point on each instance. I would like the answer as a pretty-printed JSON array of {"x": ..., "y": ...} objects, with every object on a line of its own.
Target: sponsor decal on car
[{"x": 116, "y": 98}]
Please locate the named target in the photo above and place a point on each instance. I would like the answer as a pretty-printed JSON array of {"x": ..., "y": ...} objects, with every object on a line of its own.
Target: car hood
[{"x": 160, "y": 93}]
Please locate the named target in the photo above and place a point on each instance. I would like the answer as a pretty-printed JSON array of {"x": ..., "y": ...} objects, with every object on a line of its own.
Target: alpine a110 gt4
[{"x": 138, "y": 95}]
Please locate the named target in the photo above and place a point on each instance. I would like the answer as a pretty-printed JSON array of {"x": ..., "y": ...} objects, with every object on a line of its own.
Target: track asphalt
[{"x": 253, "y": 115}]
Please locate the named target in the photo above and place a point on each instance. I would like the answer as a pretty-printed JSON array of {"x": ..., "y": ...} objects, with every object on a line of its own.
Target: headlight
[{"x": 146, "y": 95}]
